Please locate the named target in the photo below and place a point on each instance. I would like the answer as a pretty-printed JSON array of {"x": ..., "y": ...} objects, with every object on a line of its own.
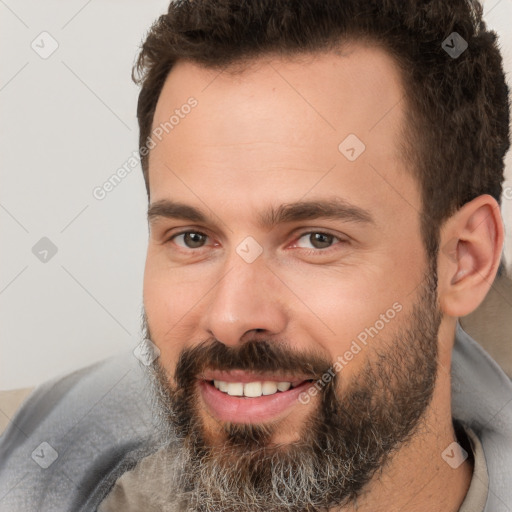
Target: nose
[{"x": 247, "y": 298}]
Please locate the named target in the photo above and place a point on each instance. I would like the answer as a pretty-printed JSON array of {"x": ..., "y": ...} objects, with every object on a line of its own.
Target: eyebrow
[{"x": 336, "y": 208}]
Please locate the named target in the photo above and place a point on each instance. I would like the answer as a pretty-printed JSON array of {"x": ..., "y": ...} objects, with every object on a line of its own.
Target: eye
[
  {"x": 190, "y": 239},
  {"x": 316, "y": 240}
]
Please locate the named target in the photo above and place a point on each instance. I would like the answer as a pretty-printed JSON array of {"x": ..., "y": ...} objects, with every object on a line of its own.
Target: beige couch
[
  {"x": 490, "y": 325},
  {"x": 9, "y": 403}
]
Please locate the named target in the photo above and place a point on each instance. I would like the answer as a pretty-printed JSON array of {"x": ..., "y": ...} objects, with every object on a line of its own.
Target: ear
[{"x": 470, "y": 252}]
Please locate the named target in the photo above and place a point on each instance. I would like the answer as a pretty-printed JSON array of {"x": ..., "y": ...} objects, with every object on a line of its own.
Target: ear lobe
[{"x": 470, "y": 266}]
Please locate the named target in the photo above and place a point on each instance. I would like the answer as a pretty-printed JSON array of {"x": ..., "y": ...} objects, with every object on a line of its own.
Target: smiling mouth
[
  {"x": 255, "y": 389},
  {"x": 252, "y": 401}
]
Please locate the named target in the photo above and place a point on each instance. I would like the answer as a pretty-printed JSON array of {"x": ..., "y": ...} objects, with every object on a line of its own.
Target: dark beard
[{"x": 353, "y": 431}]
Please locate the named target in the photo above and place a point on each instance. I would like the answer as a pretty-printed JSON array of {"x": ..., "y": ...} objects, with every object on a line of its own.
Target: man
[{"x": 324, "y": 182}]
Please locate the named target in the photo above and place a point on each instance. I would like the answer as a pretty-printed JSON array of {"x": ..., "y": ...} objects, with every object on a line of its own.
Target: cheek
[
  {"x": 163, "y": 299},
  {"x": 163, "y": 308},
  {"x": 352, "y": 311},
  {"x": 172, "y": 299}
]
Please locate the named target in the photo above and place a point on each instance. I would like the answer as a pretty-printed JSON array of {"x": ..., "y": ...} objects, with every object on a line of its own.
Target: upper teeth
[{"x": 251, "y": 389}]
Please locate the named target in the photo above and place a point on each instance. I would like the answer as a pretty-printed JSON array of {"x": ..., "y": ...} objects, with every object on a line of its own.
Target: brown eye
[
  {"x": 316, "y": 240},
  {"x": 321, "y": 240},
  {"x": 190, "y": 239}
]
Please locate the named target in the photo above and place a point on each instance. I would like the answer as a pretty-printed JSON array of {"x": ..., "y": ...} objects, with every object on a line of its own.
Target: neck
[{"x": 417, "y": 478}]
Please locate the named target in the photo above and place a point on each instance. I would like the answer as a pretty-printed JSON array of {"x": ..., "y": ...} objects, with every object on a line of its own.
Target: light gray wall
[{"x": 68, "y": 123}]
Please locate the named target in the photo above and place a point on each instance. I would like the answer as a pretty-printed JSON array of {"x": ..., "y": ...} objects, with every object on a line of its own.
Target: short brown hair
[{"x": 458, "y": 108}]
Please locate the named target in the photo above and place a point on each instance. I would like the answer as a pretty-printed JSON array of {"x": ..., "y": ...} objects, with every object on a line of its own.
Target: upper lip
[{"x": 247, "y": 376}]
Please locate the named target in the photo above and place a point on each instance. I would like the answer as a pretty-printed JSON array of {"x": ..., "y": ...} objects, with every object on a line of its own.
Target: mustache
[{"x": 261, "y": 356}]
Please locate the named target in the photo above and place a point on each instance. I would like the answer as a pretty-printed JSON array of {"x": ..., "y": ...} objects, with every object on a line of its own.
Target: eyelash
[{"x": 301, "y": 235}]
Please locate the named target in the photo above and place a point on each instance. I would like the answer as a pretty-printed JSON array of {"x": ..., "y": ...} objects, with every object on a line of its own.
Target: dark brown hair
[{"x": 457, "y": 129}]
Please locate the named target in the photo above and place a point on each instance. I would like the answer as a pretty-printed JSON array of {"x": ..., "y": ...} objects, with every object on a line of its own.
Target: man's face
[{"x": 305, "y": 263}]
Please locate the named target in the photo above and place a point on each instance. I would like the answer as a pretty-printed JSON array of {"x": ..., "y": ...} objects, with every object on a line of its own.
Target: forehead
[{"x": 281, "y": 125}]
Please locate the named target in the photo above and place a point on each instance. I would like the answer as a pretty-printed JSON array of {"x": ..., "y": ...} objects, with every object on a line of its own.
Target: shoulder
[
  {"x": 70, "y": 433},
  {"x": 482, "y": 400}
]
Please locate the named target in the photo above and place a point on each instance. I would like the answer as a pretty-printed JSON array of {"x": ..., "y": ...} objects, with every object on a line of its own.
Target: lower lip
[{"x": 237, "y": 409}]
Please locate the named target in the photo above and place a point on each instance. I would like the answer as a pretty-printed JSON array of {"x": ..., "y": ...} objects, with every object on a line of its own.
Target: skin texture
[{"x": 269, "y": 136}]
